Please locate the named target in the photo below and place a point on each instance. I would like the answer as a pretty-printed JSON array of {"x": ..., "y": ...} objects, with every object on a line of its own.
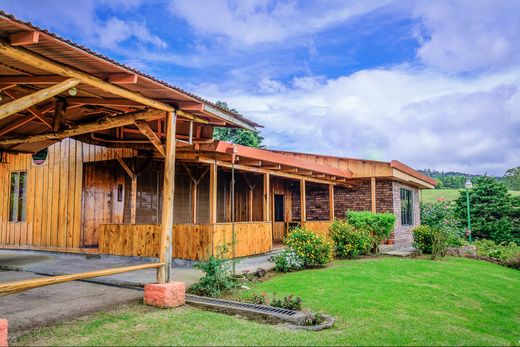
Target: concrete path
[
  {"x": 47, "y": 263},
  {"x": 400, "y": 252},
  {"x": 47, "y": 305},
  {"x": 50, "y": 304}
]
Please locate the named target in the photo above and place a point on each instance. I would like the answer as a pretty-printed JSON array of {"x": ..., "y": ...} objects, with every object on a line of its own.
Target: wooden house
[{"x": 98, "y": 157}]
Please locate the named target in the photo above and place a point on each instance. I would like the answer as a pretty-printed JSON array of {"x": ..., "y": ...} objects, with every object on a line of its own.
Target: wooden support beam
[
  {"x": 165, "y": 248},
  {"x": 35, "y": 80},
  {"x": 108, "y": 122},
  {"x": 194, "y": 190},
  {"x": 303, "y": 206},
  {"x": 32, "y": 59},
  {"x": 133, "y": 200},
  {"x": 31, "y": 109},
  {"x": 17, "y": 124},
  {"x": 122, "y": 78},
  {"x": 272, "y": 167},
  {"x": 267, "y": 198},
  {"x": 373, "y": 193},
  {"x": 125, "y": 167},
  {"x": 27, "y": 101},
  {"x": 257, "y": 163},
  {"x": 18, "y": 286},
  {"x": 151, "y": 135},
  {"x": 213, "y": 179},
  {"x": 24, "y": 38},
  {"x": 331, "y": 201},
  {"x": 59, "y": 116}
]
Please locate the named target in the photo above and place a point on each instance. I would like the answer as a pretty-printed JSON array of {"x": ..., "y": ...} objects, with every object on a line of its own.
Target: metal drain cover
[{"x": 264, "y": 312}]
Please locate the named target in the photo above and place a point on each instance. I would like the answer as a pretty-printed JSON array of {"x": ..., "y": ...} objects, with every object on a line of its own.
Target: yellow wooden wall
[{"x": 54, "y": 191}]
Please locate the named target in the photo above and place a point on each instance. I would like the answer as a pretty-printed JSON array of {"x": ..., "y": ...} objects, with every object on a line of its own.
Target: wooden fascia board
[
  {"x": 409, "y": 179},
  {"x": 229, "y": 119},
  {"x": 409, "y": 171}
]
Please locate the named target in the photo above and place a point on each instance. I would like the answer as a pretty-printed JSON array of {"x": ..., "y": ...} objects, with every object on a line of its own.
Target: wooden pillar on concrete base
[
  {"x": 303, "y": 207},
  {"x": 331, "y": 201},
  {"x": 267, "y": 198},
  {"x": 373, "y": 193},
  {"x": 213, "y": 193},
  {"x": 165, "y": 248}
]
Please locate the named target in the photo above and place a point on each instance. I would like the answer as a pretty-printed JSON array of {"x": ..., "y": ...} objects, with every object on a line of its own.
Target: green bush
[
  {"x": 440, "y": 242},
  {"x": 423, "y": 238},
  {"x": 502, "y": 251},
  {"x": 216, "y": 279},
  {"x": 350, "y": 242},
  {"x": 287, "y": 261},
  {"x": 311, "y": 248},
  {"x": 289, "y": 302},
  {"x": 379, "y": 224}
]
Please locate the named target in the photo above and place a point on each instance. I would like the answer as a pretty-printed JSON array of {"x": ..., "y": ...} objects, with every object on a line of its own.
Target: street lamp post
[{"x": 468, "y": 186}]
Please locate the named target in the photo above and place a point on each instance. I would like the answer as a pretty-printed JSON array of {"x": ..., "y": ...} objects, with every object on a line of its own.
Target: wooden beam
[
  {"x": 103, "y": 102},
  {"x": 17, "y": 124},
  {"x": 105, "y": 123},
  {"x": 35, "y": 80},
  {"x": 122, "y": 78},
  {"x": 24, "y": 38},
  {"x": 267, "y": 196},
  {"x": 331, "y": 201},
  {"x": 213, "y": 179},
  {"x": 59, "y": 115},
  {"x": 31, "y": 109},
  {"x": 125, "y": 167},
  {"x": 251, "y": 162},
  {"x": 191, "y": 105},
  {"x": 303, "y": 207},
  {"x": 27, "y": 101},
  {"x": 151, "y": 135},
  {"x": 272, "y": 167},
  {"x": 194, "y": 190},
  {"x": 133, "y": 200},
  {"x": 32, "y": 59},
  {"x": 165, "y": 248},
  {"x": 373, "y": 193},
  {"x": 18, "y": 286}
]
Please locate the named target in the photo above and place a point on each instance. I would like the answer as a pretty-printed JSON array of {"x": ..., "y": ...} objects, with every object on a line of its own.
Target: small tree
[
  {"x": 239, "y": 136},
  {"x": 490, "y": 209}
]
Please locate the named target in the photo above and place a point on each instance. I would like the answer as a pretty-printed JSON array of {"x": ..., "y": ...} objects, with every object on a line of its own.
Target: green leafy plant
[
  {"x": 423, "y": 238},
  {"x": 439, "y": 239},
  {"x": 350, "y": 242},
  {"x": 503, "y": 251},
  {"x": 311, "y": 248},
  {"x": 216, "y": 280},
  {"x": 287, "y": 261},
  {"x": 379, "y": 224},
  {"x": 314, "y": 319},
  {"x": 260, "y": 299},
  {"x": 289, "y": 302}
]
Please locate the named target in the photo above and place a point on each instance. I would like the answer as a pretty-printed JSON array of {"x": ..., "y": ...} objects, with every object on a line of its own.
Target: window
[
  {"x": 40, "y": 157},
  {"x": 406, "y": 207},
  {"x": 18, "y": 197}
]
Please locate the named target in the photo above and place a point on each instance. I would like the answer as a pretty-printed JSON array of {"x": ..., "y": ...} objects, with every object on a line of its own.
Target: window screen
[{"x": 18, "y": 196}]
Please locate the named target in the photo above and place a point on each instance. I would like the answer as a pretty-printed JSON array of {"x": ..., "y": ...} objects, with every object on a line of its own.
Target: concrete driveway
[{"x": 50, "y": 304}]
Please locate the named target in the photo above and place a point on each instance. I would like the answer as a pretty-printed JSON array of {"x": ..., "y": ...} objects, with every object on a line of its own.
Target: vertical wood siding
[{"x": 54, "y": 193}]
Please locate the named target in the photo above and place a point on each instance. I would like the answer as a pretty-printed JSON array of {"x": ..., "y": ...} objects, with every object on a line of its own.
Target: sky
[{"x": 434, "y": 84}]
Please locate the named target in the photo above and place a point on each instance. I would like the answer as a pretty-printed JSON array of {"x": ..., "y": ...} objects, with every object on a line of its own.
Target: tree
[
  {"x": 512, "y": 178},
  {"x": 490, "y": 209},
  {"x": 239, "y": 136}
]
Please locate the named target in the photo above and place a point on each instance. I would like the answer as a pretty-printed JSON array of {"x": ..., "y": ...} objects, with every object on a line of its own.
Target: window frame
[
  {"x": 18, "y": 202},
  {"x": 406, "y": 199}
]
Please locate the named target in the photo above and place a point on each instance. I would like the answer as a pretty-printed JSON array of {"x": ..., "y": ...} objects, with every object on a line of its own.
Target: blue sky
[{"x": 433, "y": 84}]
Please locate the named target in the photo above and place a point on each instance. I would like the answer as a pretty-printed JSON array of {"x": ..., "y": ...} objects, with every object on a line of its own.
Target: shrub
[
  {"x": 379, "y": 224},
  {"x": 260, "y": 299},
  {"x": 514, "y": 262},
  {"x": 289, "y": 302},
  {"x": 311, "y": 248},
  {"x": 423, "y": 238},
  {"x": 350, "y": 242},
  {"x": 287, "y": 261},
  {"x": 216, "y": 279},
  {"x": 440, "y": 239},
  {"x": 503, "y": 251}
]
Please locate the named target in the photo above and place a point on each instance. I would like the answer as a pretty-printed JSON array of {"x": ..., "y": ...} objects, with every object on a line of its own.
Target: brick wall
[
  {"x": 403, "y": 233},
  {"x": 316, "y": 204},
  {"x": 359, "y": 198}
]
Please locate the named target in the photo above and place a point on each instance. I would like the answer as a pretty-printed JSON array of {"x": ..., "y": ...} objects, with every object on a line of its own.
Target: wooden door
[
  {"x": 98, "y": 186},
  {"x": 278, "y": 217}
]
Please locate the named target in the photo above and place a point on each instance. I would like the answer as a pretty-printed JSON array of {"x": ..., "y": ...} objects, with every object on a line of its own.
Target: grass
[
  {"x": 431, "y": 195},
  {"x": 381, "y": 301}
]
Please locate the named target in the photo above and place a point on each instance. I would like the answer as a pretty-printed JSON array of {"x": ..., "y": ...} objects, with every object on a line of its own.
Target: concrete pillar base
[
  {"x": 165, "y": 295},
  {"x": 3, "y": 333}
]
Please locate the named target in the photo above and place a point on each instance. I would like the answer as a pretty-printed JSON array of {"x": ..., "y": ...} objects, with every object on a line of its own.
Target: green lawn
[
  {"x": 431, "y": 195},
  {"x": 382, "y": 301}
]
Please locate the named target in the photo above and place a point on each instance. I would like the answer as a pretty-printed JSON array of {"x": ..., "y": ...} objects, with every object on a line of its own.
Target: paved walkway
[
  {"x": 47, "y": 305},
  {"x": 399, "y": 252}
]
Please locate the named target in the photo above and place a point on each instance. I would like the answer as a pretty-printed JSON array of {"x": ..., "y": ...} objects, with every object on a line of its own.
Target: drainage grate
[{"x": 268, "y": 313}]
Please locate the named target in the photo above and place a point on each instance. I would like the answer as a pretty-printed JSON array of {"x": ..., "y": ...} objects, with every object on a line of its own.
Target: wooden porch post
[
  {"x": 133, "y": 200},
  {"x": 250, "y": 203},
  {"x": 302, "y": 201},
  {"x": 331, "y": 201},
  {"x": 165, "y": 249},
  {"x": 213, "y": 193},
  {"x": 373, "y": 193},
  {"x": 267, "y": 199},
  {"x": 194, "y": 190}
]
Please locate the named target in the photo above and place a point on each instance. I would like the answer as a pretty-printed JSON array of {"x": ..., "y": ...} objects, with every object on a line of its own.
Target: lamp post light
[{"x": 468, "y": 186}]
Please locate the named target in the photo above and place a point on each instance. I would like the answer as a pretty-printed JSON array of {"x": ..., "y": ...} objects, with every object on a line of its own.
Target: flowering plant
[{"x": 311, "y": 248}]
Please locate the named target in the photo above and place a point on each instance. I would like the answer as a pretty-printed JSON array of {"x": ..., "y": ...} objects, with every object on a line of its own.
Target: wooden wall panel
[
  {"x": 252, "y": 237},
  {"x": 318, "y": 227},
  {"x": 54, "y": 188}
]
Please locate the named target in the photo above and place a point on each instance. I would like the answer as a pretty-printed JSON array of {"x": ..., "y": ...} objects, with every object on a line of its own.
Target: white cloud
[
  {"x": 115, "y": 31},
  {"x": 259, "y": 21},
  {"x": 421, "y": 117},
  {"x": 468, "y": 35}
]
